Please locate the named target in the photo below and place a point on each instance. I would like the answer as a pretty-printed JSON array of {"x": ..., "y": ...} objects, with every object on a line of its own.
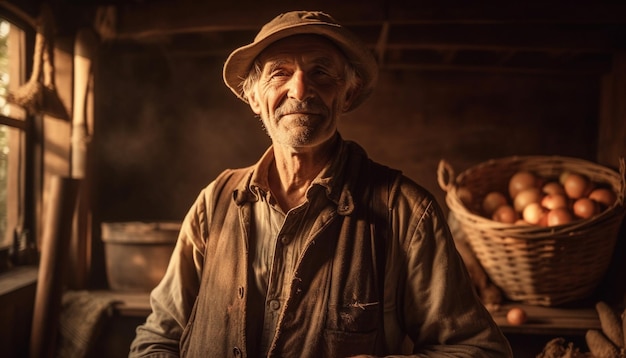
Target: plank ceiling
[{"x": 531, "y": 36}]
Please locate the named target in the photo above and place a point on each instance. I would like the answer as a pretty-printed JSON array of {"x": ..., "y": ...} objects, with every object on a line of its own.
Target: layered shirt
[{"x": 322, "y": 280}]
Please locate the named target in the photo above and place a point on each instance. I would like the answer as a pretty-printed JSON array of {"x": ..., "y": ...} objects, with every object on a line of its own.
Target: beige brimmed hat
[{"x": 240, "y": 61}]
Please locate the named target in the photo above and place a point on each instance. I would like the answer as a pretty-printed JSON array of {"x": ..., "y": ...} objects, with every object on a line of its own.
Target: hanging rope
[{"x": 39, "y": 94}]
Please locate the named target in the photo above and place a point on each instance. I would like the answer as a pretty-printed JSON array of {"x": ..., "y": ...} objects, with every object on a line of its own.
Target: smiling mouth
[
  {"x": 309, "y": 107},
  {"x": 301, "y": 114}
]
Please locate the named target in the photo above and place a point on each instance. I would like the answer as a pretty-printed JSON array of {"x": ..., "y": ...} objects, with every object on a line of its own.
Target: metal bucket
[{"x": 137, "y": 253}]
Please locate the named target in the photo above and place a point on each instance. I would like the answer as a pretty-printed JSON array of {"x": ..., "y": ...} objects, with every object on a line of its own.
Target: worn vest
[{"x": 335, "y": 304}]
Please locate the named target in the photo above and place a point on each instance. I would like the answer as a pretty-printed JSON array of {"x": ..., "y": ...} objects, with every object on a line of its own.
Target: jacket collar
[{"x": 334, "y": 179}]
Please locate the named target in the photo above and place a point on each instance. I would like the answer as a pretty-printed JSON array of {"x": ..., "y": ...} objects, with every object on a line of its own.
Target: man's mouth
[
  {"x": 302, "y": 113},
  {"x": 309, "y": 108}
]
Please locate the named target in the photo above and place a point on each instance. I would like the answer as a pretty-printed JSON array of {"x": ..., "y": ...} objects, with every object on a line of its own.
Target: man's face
[{"x": 301, "y": 91}]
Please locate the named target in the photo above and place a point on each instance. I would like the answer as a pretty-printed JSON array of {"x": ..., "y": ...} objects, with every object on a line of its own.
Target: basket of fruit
[{"x": 543, "y": 227}]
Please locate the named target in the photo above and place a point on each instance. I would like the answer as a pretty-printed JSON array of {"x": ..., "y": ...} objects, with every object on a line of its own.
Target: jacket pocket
[
  {"x": 346, "y": 344},
  {"x": 351, "y": 329},
  {"x": 354, "y": 317}
]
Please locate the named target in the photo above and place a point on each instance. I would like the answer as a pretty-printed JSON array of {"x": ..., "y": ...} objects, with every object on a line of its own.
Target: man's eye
[
  {"x": 278, "y": 74},
  {"x": 321, "y": 72}
]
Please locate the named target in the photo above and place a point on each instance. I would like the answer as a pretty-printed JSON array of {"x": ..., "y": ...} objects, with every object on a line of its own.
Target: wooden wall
[{"x": 168, "y": 125}]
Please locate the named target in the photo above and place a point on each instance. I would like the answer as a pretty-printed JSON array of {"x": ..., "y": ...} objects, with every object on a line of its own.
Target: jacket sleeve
[
  {"x": 173, "y": 298},
  {"x": 429, "y": 298}
]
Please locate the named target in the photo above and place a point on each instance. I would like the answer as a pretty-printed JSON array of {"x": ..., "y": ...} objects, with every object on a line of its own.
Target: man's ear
[
  {"x": 254, "y": 102},
  {"x": 350, "y": 95}
]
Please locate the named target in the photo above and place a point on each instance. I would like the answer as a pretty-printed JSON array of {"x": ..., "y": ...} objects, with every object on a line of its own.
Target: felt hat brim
[{"x": 239, "y": 63}]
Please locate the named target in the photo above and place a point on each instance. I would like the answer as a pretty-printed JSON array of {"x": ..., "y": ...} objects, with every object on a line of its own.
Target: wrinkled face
[{"x": 301, "y": 91}]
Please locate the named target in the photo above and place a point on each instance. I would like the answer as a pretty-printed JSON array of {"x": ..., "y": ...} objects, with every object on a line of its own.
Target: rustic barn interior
[{"x": 459, "y": 81}]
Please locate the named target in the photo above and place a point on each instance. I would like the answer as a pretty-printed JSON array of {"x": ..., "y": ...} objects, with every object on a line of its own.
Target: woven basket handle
[
  {"x": 445, "y": 175},
  {"x": 622, "y": 178}
]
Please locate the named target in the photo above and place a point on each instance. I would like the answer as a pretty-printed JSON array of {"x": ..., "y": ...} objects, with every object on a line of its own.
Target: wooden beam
[
  {"x": 590, "y": 37},
  {"x": 154, "y": 19},
  {"x": 138, "y": 20},
  {"x": 494, "y": 11},
  {"x": 487, "y": 68}
]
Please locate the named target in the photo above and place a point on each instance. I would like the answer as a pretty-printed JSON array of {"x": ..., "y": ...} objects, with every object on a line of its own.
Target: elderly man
[{"x": 315, "y": 251}]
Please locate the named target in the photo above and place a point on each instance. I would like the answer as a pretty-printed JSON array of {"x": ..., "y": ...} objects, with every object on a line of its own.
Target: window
[{"x": 13, "y": 131}]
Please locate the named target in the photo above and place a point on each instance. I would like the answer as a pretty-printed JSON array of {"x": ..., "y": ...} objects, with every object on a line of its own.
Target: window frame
[{"x": 22, "y": 198}]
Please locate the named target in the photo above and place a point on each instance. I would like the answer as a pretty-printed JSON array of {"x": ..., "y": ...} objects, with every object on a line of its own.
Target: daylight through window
[{"x": 12, "y": 134}]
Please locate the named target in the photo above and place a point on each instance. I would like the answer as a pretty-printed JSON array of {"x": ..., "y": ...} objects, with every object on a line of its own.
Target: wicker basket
[{"x": 537, "y": 265}]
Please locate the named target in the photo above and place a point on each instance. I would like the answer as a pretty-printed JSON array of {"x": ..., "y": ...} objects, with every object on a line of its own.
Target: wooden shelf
[
  {"x": 541, "y": 320},
  {"x": 17, "y": 278},
  {"x": 549, "y": 320}
]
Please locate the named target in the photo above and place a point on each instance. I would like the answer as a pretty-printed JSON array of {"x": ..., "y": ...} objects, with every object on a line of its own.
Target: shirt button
[
  {"x": 274, "y": 305},
  {"x": 285, "y": 239},
  {"x": 237, "y": 352}
]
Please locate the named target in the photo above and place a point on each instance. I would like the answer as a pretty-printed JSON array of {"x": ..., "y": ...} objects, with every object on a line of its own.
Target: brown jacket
[{"x": 336, "y": 307}]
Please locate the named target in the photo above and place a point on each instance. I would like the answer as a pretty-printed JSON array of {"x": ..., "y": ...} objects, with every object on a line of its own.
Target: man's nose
[{"x": 299, "y": 86}]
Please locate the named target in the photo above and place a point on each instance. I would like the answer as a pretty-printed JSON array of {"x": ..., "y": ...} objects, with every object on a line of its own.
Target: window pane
[
  {"x": 4, "y": 176},
  {"x": 11, "y": 133},
  {"x": 9, "y": 189}
]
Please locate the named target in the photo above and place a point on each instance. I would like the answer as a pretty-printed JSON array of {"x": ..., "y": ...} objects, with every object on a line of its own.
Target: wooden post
[
  {"x": 54, "y": 251},
  {"x": 611, "y": 147},
  {"x": 612, "y": 124},
  {"x": 82, "y": 130}
]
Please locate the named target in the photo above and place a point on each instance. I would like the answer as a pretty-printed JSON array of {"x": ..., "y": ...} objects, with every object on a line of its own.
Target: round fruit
[
  {"x": 559, "y": 216},
  {"x": 533, "y": 213},
  {"x": 520, "y": 181},
  {"x": 553, "y": 201},
  {"x": 604, "y": 196},
  {"x": 492, "y": 201},
  {"x": 516, "y": 316},
  {"x": 525, "y": 197},
  {"x": 505, "y": 214},
  {"x": 585, "y": 208},
  {"x": 553, "y": 187},
  {"x": 576, "y": 185}
]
